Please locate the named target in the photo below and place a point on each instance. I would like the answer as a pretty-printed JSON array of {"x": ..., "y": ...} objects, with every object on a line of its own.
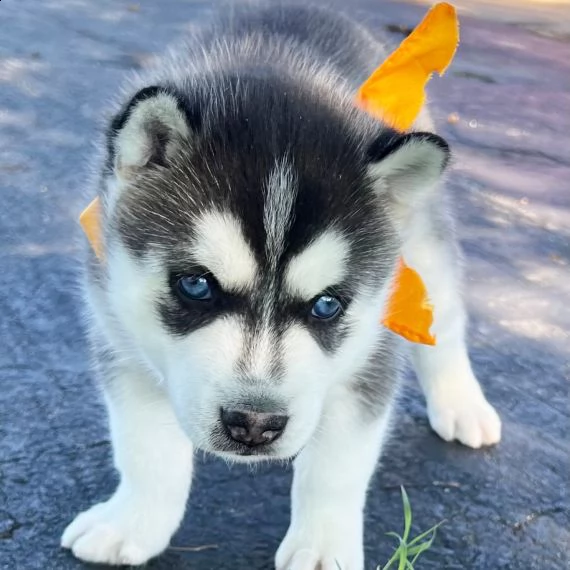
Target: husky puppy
[{"x": 253, "y": 219}]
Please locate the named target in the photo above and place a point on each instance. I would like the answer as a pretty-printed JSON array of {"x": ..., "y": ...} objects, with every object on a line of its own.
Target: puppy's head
[{"x": 251, "y": 235}]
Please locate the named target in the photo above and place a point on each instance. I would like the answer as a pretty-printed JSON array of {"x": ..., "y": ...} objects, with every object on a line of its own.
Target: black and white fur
[{"x": 241, "y": 156}]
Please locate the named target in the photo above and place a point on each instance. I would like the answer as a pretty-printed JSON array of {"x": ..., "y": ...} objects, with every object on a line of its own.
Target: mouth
[
  {"x": 246, "y": 454},
  {"x": 254, "y": 456},
  {"x": 235, "y": 450}
]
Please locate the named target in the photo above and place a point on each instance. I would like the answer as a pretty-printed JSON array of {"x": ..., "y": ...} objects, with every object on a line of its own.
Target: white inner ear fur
[
  {"x": 318, "y": 266},
  {"x": 134, "y": 142},
  {"x": 411, "y": 172}
]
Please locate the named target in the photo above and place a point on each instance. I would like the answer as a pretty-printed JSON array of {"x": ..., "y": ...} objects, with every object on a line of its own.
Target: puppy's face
[{"x": 250, "y": 246}]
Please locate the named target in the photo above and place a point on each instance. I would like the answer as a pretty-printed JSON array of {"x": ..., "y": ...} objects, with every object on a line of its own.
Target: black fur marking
[
  {"x": 182, "y": 316},
  {"x": 388, "y": 142},
  {"x": 377, "y": 382},
  {"x": 260, "y": 122}
]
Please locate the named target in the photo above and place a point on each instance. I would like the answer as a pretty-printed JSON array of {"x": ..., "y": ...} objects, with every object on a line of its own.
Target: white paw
[
  {"x": 327, "y": 547},
  {"x": 462, "y": 412},
  {"x": 120, "y": 532}
]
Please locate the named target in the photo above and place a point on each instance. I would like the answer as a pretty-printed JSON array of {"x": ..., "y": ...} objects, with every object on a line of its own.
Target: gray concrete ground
[{"x": 508, "y": 94}]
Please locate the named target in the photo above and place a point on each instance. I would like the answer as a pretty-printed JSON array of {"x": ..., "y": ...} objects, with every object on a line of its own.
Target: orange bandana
[
  {"x": 395, "y": 93},
  {"x": 90, "y": 222}
]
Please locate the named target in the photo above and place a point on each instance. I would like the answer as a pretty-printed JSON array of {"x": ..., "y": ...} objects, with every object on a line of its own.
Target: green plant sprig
[{"x": 408, "y": 553}]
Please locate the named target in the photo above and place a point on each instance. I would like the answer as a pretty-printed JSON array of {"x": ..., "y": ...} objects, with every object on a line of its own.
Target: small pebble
[{"x": 453, "y": 118}]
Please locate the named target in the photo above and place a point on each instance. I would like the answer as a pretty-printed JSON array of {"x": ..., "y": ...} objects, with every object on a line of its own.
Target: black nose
[{"x": 253, "y": 428}]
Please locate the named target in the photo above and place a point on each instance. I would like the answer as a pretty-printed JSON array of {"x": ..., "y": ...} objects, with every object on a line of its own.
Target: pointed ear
[
  {"x": 149, "y": 129},
  {"x": 408, "y": 166}
]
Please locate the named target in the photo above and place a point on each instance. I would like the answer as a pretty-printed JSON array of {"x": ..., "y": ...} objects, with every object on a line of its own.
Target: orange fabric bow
[{"x": 395, "y": 93}]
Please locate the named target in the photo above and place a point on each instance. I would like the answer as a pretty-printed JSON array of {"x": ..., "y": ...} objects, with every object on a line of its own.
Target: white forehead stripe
[
  {"x": 221, "y": 248},
  {"x": 280, "y": 196},
  {"x": 320, "y": 265}
]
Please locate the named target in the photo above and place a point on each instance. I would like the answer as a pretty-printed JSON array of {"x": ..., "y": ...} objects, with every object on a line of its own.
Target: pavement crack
[
  {"x": 102, "y": 443},
  {"x": 399, "y": 29},
  {"x": 506, "y": 150},
  {"x": 483, "y": 78},
  {"x": 534, "y": 516}
]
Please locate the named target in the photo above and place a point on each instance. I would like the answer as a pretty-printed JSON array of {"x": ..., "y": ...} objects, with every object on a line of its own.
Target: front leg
[
  {"x": 329, "y": 490},
  {"x": 154, "y": 459}
]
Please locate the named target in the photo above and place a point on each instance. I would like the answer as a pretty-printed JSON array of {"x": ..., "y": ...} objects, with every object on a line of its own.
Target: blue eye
[
  {"x": 326, "y": 308},
  {"x": 195, "y": 288}
]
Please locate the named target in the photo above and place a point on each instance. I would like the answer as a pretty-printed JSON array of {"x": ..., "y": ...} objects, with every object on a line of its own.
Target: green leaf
[
  {"x": 420, "y": 548},
  {"x": 403, "y": 557},
  {"x": 407, "y": 513},
  {"x": 392, "y": 559},
  {"x": 396, "y": 536},
  {"x": 414, "y": 550},
  {"x": 426, "y": 533}
]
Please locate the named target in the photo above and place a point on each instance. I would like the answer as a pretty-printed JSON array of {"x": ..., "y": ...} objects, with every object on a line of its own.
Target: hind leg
[{"x": 456, "y": 405}]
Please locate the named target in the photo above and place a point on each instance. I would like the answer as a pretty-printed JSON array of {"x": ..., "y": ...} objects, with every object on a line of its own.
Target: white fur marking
[
  {"x": 320, "y": 265},
  {"x": 281, "y": 191},
  {"x": 261, "y": 354},
  {"x": 221, "y": 248}
]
